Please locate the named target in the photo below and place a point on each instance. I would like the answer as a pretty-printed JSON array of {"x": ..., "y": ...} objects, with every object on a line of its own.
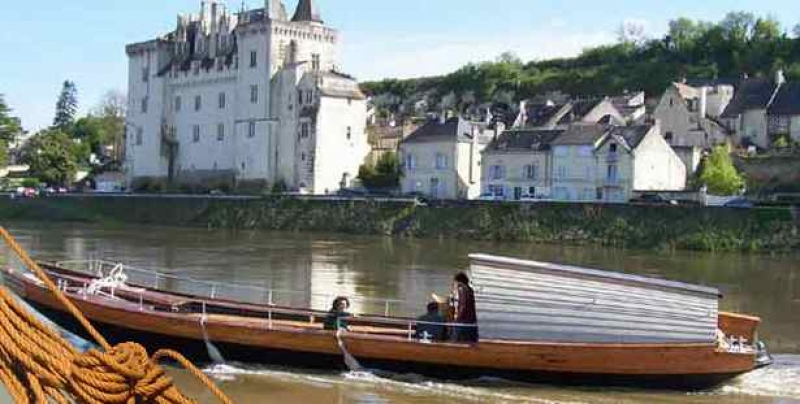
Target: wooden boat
[{"x": 525, "y": 328}]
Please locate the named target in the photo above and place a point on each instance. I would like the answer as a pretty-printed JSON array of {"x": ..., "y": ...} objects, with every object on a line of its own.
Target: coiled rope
[{"x": 38, "y": 366}]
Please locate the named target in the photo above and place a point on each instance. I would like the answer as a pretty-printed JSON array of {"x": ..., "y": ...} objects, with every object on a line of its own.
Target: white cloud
[{"x": 423, "y": 55}]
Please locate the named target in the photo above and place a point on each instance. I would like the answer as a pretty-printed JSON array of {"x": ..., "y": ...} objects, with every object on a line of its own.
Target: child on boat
[{"x": 431, "y": 325}]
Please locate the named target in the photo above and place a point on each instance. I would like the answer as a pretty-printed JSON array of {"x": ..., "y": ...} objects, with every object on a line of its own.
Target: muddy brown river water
[{"x": 377, "y": 267}]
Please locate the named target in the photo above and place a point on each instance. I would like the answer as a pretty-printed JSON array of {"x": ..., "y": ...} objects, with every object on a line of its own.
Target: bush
[{"x": 719, "y": 173}]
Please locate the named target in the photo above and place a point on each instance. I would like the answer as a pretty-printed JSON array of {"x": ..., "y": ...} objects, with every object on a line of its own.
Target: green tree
[
  {"x": 719, "y": 173},
  {"x": 3, "y": 153},
  {"x": 51, "y": 157},
  {"x": 10, "y": 126},
  {"x": 384, "y": 175},
  {"x": 66, "y": 106}
]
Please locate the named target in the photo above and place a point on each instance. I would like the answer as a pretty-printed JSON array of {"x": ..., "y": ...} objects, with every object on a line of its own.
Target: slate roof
[
  {"x": 307, "y": 11},
  {"x": 542, "y": 114},
  {"x": 755, "y": 93},
  {"x": 581, "y": 134},
  {"x": 633, "y": 135},
  {"x": 787, "y": 101},
  {"x": 524, "y": 140},
  {"x": 579, "y": 109},
  {"x": 454, "y": 129}
]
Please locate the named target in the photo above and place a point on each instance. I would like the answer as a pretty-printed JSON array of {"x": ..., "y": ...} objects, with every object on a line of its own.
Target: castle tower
[{"x": 307, "y": 11}]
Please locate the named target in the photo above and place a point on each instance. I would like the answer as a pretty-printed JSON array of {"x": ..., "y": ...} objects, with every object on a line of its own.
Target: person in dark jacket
[
  {"x": 337, "y": 316},
  {"x": 463, "y": 302},
  {"x": 432, "y": 324}
]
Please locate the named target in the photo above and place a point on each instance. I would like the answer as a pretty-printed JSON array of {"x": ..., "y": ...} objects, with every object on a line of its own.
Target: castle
[{"x": 247, "y": 98}]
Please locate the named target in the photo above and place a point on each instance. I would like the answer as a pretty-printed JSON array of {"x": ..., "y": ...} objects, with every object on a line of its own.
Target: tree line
[
  {"x": 741, "y": 43},
  {"x": 55, "y": 154}
]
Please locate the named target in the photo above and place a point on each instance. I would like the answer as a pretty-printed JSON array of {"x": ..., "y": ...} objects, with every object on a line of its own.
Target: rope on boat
[{"x": 38, "y": 366}]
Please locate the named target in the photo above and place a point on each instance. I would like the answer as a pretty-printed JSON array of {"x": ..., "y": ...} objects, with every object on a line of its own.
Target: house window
[
  {"x": 410, "y": 161},
  {"x": 669, "y": 137},
  {"x": 139, "y": 136},
  {"x": 146, "y": 74},
  {"x": 349, "y": 132},
  {"x": 671, "y": 102},
  {"x": 532, "y": 192},
  {"x": 222, "y": 100},
  {"x": 254, "y": 94},
  {"x": 253, "y": 59},
  {"x": 316, "y": 63},
  {"x": 562, "y": 172},
  {"x": 441, "y": 161},
  {"x": 497, "y": 191},
  {"x": 144, "y": 105},
  {"x": 304, "y": 130},
  {"x": 221, "y": 132},
  {"x": 599, "y": 194},
  {"x": 198, "y": 102},
  {"x": 310, "y": 96},
  {"x": 497, "y": 172},
  {"x": 196, "y": 133},
  {"x": 531, "y": 172},
  {"x": 613, "y": 148},
  {"x": 178, "y": 103},
  {"x": 300, "y": 97},
  {"x": 251, "y": 130},
  {"x": 611, "y": 174}
]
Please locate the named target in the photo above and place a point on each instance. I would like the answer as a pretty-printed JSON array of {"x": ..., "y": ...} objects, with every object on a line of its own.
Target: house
[
  {"x": 553, "y": 114},
  {"x": 689, "y": 115},
  {"x": 784, "y": 113},
  {"x": 385, "y": 139},
  {"x": 748, "y": 114},
  {"x": 631, "y": 106},
  {"x": 517, "y": 164},
  {"x": 441, "y": 159},
  {"x": 250, "y": 98},
  {"x": 605, "y": 163}
]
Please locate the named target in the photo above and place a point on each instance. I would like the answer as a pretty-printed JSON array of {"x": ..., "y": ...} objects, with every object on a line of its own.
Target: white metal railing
[{"x": 234, "y": 292}]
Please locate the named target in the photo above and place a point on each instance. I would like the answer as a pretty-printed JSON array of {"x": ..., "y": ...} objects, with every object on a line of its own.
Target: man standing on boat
[{"x": 463, "y": 302}]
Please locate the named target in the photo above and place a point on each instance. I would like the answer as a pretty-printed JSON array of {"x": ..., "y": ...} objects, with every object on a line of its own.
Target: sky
[{"x": 44, "y": 42}]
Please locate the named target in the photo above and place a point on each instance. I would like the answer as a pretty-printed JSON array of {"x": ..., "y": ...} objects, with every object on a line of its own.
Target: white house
[
  {"x": 249, "y": 98},
  {"x": 601, "y": 163},
  {"x": 689, "y": 115},
  {"x": 443, "y": 159},
  {"x": 518, "y": 164}
]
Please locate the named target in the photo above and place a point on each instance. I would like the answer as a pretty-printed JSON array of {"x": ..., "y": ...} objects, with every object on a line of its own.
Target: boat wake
[{"x": 782, "y": 379}]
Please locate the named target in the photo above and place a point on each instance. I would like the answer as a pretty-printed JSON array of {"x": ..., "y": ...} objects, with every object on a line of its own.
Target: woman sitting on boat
[
  {"x": 463, "y": 303},
  {"x": 337, "y": 316}
]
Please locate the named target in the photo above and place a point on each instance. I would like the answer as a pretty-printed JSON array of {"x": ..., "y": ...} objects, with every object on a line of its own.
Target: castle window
[
  {"x": 139, "y": 136},
  {"x": 316, "y": 63},
  {"x": 253, "y": 59},
  {"x": 221, "y": 132},
  {"x": 222, "y": 100},
  {"x": 254, "y": 94},
  {"x": 178, "y": 102},
  {"x": 349, "y": 132},
  {"x": 251, "y": 130},
  {"x": 196, "y": 133},
  {"x": 144, "y": 105},
  {"x": 198, "y": 102}
]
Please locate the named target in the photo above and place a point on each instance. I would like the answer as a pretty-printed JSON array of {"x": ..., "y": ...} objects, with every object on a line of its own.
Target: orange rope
[{"x": 38, "y": 366}]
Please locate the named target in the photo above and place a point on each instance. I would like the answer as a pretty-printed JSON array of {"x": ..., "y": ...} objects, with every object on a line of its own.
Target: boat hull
[{"x": 681, "y": 367}]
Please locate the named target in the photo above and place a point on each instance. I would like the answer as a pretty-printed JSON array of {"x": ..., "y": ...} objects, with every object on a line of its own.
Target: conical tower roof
[{"x": 306, "y": 11}]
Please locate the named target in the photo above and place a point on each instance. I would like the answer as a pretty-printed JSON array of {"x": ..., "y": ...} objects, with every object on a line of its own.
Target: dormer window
[{"x": 613, "y": 148}]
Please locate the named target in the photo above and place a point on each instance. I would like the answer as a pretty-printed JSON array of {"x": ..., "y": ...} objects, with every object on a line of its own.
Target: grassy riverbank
[{"x": 649, "y": 227}]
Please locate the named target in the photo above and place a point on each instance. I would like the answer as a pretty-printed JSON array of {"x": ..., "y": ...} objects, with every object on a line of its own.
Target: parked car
[
  {"x": 740, "y": 203},
  {"x": 653, "y": 199},
  {"x": 491, "y": 198}
]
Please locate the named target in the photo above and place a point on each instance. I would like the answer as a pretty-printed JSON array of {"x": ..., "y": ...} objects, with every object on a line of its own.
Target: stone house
[
  {"x": 763, "y": 110},
  {"x": 517, "y": 164},
  {"x": 688, "y": 115},
  {"x": 442, "y": 159},
  {"x": 601, "y": 163}
]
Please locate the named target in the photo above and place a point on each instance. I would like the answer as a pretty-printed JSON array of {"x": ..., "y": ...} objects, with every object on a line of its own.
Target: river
[{"x": 376, "y": 267}]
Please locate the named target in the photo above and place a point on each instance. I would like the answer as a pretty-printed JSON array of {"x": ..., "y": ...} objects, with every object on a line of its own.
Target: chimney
[{"x": 702, "y": 107}]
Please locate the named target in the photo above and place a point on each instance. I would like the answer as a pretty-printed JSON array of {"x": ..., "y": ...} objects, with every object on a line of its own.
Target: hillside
[{"x": 739, "y": 44}]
